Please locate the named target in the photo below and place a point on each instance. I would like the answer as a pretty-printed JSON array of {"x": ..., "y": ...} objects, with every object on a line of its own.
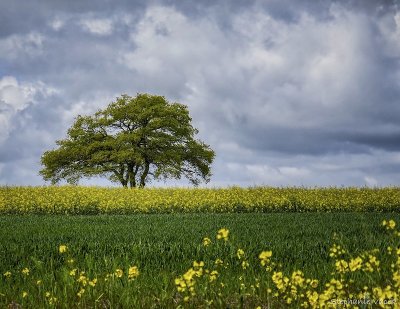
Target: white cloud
[
  {"x": 97, "y": 26},
  {"x": 18, "y": 46},
  {"x": 290, "y": 71},
  {"x": 57, "y": 23},
  {"x": 15, "y": 97},
  {"x": 13, "y": 94}
]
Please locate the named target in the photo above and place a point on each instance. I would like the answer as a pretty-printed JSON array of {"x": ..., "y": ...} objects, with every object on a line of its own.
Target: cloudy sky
[{"x": 299, "y": 93}]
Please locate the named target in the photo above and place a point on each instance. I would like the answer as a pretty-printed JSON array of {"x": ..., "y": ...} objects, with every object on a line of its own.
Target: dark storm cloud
[{"x": 287, "y": 92}]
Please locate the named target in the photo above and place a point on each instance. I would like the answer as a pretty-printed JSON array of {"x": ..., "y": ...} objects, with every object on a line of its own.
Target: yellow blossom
[
  {"x": 80, "y": 293},
  {"x": 82, "y": 279},
  {"x": 213, "y": 275},
  {"x": 24, "y": 294},
  {"x": 119, "y": 273},
  {"x": 62, "y": 248},
  {"x": 206, "y": 241},
  {"x": 341, "y": 266},
  {"x": 25, "y": 271},
  {"x": 240, "y": 253},
  {"x": 223, "y": 234},
  {"x": 93, "y": 282},
  {"x": 133, "y": 272},
  {"x": 73, "y": 272},
  {"x": 52, "y": 300},
  {"x": 7, "y": 274},
  {"x": 265, "y": 257},
  {"x": 314, "y": 283},
  {"x": 198, "y": 264},
  {"x": 355, "y": 264},
  {"x": 390, "y": 225}
]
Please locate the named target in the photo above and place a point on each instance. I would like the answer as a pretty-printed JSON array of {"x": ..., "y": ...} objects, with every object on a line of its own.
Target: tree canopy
[{"x": 131, "y": 141}]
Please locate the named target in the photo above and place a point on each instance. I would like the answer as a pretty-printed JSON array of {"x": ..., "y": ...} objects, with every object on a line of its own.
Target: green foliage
[
  {"x": 163, "y": 247},
  {"x": 130, "y": 141}
]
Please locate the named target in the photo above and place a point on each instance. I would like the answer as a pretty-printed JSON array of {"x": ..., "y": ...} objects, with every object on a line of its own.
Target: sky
[{"x": 287, "y": 93}]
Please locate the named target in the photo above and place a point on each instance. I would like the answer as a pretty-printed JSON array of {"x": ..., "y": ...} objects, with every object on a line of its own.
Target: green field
[{"x": 164, "y": 246}]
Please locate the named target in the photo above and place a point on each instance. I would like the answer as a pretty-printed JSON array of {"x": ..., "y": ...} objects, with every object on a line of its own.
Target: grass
[{"x": 163, "y": 246}]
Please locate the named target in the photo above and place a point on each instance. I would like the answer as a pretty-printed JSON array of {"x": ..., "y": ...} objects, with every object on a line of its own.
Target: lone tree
[{"x": 132, "y": 140}]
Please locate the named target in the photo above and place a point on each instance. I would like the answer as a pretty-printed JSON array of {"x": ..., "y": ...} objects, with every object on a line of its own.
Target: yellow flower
[
  {"x": 80, "y": 293},
  {"x": 355, "y": 264},
  {"x": 218, "y": 262},
  {"x": 70, "y": 261},
  {"x": 119, "y": 273},
  {"x": 198, "y": 264},
  {"x": 93, "y": 282},
  {"x": 341, "y": 266},
  {"x": 25, "y": 271},
  {"x": 52, "y": 300},
  {"x": 181, "y": 284},
  {"x": 245, "y": 264},
  {"x": 62, "y": 248},
  {"x": 7, "y": 274},
  {"x": 314, "y": 283},
  {"x": 24, "y": 294},
  {"x": 390, "y": 225},
  {"x": 265, "y": 257},
  {"x": 47, "y": 294},
  {"x": 38, "y": 282},
  {"x": 240, "y": 253},
  {"x": 223, "y": 234},
  {"x": 72, "y": 272},
  {"x": 133, "y": 272},
  {"x": 336, "y": 250},
  {"x": 206, "y": 241},
  {"x": 82, "y": 279},
  {"x": 213, "y": 275}
]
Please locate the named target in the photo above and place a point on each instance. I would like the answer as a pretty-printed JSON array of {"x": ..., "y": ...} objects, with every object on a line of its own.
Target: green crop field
[{"x": 146, "y": 260}]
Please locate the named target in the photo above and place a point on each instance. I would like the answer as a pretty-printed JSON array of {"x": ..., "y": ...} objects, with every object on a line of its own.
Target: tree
[{"x": 132, "y": 140}]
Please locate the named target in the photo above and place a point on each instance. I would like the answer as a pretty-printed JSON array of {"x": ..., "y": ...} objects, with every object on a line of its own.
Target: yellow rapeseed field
[{"x": 88, "y": 200}]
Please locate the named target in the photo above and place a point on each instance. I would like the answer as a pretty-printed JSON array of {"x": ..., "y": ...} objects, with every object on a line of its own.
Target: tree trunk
[
  {"x": 131, "y": 176},
  {"x": 144, "y": 174},
  {"x": 120, "y": 176}
]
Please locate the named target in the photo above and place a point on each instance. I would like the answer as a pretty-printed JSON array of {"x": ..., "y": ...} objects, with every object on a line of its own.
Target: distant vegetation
[{"x": 96, "y": 200}]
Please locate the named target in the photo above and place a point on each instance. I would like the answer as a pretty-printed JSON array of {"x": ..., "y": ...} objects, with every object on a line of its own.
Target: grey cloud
[{"x": 286, "y": 92}]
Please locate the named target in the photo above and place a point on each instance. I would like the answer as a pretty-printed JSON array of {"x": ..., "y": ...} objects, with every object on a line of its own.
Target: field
[
  {"x": 95, "y": 200},
  {"x": 146, "y": 260}
]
